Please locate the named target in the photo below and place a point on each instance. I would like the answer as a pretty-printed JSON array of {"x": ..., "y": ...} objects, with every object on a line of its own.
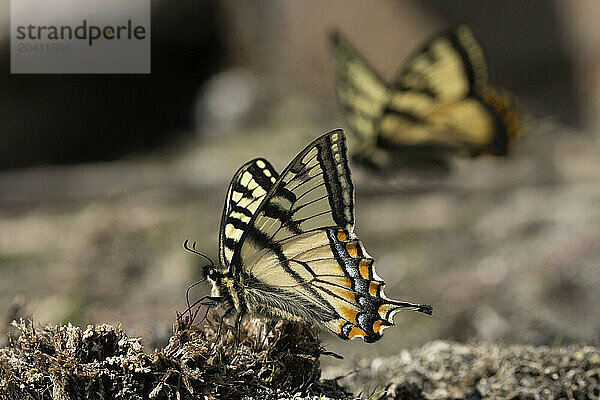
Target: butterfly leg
[
  {"x": 226, "y": 314},
  {"x": 206, "y": 301},
  {"x": 237, "y": 329}
]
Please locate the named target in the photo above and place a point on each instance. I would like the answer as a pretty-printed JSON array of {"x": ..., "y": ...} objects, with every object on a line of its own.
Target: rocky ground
[{"x": 450, "y": 370}]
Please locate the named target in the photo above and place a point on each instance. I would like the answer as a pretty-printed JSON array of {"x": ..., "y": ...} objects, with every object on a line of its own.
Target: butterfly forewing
[
  {"x": 248, "y": 188},
  {"x": 360, "y": 90},
  {"x": 448, "y": 68},
  {"x": 314, "y": 191}
]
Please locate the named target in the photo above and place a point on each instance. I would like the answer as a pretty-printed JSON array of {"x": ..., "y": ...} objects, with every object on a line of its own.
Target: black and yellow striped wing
[
  {"x": 440, "y": 103},
  {"x": 299, "y": 258},
  {"x": 360, "y": 90},
  {"x": 442, "y": 97},
  {"x": 314, "y": 191},
  {"x": 448, "y": 68},
  {"x": 324, "y": 277},
  {"x": 249, "y": 186}
]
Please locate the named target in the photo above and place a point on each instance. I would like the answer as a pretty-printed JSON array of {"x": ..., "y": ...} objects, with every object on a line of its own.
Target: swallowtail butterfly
[
  {"x": 440, "y": 104},
  {"x": 288, "y": 250}
]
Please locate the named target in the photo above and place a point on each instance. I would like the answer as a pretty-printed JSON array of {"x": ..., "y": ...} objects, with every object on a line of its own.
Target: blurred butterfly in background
[
  {"x": 287, "y": 247},
  {"x": 439, "y": 105}
]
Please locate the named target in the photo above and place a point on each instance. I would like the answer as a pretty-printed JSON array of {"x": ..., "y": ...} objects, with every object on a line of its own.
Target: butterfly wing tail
[
  {"x": 401, "y": 305},
  {"x": 360, "y": 90}
]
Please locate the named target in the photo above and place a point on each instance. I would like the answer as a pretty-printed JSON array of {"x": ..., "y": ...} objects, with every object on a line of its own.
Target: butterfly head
[
  {"x": 209, "y": 271},
  {"x": 220, "y": 279},
  {"x": 214, "y": 276}
]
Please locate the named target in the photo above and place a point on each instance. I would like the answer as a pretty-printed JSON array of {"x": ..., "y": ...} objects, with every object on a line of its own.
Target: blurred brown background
[{"x": 104, "y": 176}]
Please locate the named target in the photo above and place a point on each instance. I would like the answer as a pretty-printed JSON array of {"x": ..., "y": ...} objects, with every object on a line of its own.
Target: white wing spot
[
  {"x": 236, "y": 196},
  {"x": 240, "y": 216},
  {"x": 273, "y": 179},
  {"x": 259, "y": 192},
  {"x": 337, "y": 157},
  {"x": 246, "y": 177},
  {"x": 261, "y": 164},
  {"x": 347, "y": 214},
  {"x": 266, "y": 172},
  {"x": 343, "y": 181},
  {"x": 252, "y": 184},
  {"x": 232, "y": 232},
  {"x": 228, "y": 253},
  {"x": 334, "y": 137}
]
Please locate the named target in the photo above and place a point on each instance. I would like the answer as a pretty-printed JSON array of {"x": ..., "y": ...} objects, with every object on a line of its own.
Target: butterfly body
[
  {"x": 440, "y": 104},
  {"x": 288, "y": 248}
]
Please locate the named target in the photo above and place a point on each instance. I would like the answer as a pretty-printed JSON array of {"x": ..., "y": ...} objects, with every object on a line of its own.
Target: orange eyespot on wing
[
  {"x": 352, "y": 249},
  {"x": 377, "y": 326},
  {"x": 364, "y": 268},
  {"x": 342, "y": 235},
  {"x": 383, "y": 311},
  {"x": 374, "y": 288},
  {"x": 356, "y": 331}
]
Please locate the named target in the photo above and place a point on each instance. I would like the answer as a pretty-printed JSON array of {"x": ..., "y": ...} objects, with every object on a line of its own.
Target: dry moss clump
[{"x": 271, "y": 360}]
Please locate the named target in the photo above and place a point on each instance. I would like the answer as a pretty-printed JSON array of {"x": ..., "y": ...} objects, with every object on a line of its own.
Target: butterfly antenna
[{"x": 193, "y": 250}]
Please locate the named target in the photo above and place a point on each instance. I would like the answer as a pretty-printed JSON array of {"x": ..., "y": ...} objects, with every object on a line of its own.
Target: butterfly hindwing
[
  {"x": 324, "y": 277},
  {"x": 248, "y": 188},
  {"x": 362, "y": 307}
]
